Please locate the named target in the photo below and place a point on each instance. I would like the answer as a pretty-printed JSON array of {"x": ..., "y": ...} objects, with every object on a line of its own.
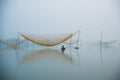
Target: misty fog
[{"x": 56, "y": 16}]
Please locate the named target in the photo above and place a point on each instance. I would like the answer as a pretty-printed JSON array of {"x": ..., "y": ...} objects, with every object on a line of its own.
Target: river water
[{"x": 86, "y": 63}]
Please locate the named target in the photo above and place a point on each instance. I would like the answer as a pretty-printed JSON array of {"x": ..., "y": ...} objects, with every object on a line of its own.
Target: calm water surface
[{"x": 86, "y": 63}]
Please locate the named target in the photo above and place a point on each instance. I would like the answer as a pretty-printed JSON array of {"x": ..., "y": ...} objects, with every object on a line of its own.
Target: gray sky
[{"x": 54, "y": 16}]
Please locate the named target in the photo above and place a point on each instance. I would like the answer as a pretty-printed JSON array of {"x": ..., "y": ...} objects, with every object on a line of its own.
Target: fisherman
[{"x": 62, "y": 48}]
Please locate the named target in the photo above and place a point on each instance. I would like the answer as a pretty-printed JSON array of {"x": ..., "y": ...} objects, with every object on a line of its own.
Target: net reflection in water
[{"x": 46, "y": 56}]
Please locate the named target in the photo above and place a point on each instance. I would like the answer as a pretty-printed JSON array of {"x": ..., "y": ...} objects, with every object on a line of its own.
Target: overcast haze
[{"x": 51, "y": 16}]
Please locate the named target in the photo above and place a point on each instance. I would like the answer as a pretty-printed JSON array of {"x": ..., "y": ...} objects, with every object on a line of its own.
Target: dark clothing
[{"x": 63, "y": 49}]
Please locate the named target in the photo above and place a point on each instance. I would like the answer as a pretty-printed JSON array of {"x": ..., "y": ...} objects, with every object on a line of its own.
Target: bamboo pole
[
  {"x": 101, "y": 47},
  {"x": 78, "y": 40}
]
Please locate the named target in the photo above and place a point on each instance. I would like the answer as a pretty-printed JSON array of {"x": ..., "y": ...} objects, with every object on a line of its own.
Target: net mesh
[
  {"x": 10, "y": 43},
  {"x": 47, "y": 40}
]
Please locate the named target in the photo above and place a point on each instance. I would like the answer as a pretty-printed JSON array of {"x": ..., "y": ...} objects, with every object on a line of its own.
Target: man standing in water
[{"x": 62, "y": 48}]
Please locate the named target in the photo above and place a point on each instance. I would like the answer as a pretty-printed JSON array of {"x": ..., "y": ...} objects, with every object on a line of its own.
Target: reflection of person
[{"x": 62, "y": 48}]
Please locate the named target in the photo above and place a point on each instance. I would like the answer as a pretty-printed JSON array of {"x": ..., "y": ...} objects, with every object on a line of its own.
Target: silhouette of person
[{"x": 62, "y": 48}]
